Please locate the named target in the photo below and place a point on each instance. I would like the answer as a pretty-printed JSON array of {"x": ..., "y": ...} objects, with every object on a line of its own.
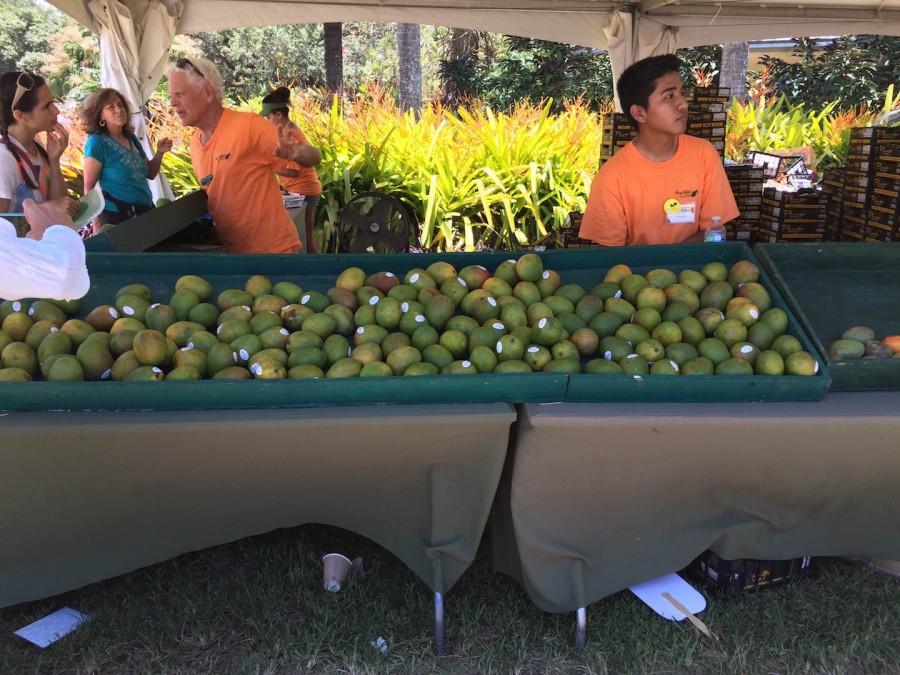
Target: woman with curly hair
[
  {"x": 29, "y": 170},
  {"x": 113, "y": 157}
]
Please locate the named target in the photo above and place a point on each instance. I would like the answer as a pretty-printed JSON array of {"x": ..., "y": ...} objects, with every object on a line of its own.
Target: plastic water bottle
[{"x": 715, "y": 233}]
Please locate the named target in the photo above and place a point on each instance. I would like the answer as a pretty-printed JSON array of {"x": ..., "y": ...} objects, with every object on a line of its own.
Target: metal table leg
[
  {"x": 438, "y": 622},
  {"x": 580, "y": 627}
]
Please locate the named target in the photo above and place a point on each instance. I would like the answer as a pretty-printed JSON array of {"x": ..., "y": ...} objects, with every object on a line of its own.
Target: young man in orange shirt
[
  {"x": 234, "y": 158},
  {"x": 664, "y": 187}
]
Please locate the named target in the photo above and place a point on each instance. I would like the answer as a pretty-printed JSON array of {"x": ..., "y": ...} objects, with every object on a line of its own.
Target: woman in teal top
[{"x": 114, "y": 158}]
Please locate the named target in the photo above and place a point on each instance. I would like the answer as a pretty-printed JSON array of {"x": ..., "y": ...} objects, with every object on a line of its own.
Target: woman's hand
[
  {"x": 164, "y": 146},
  {"x": 286, "y": 144},
  {"x": 57, "y": 142}
]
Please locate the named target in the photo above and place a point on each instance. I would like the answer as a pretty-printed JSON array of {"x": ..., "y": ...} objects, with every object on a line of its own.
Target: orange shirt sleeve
[
  {"x": 604, "y": 216},
  {"x": 718, "y": 199}
]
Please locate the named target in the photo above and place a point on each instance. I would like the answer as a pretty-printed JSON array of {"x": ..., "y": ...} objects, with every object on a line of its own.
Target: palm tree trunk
[
  {"x": 334, "y": 57},
  {"x": 409, "y": 75},
  {"x": 733, "y": 71}
]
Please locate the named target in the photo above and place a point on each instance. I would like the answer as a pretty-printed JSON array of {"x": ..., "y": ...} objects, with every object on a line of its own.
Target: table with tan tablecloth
[
  {"x": 597, "y": 497},
  {"x": 86, "y": 496}
]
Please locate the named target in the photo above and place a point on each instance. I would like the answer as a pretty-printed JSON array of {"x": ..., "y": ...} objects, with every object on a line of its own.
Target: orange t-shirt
[
  {"x": 635, "y": 200},
  {"x": 307, "y": 183},
  {"x": 237, "y": 166}
]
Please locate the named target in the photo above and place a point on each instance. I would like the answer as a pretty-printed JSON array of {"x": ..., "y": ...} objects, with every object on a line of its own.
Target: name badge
[{"x": 678, "y": 213}]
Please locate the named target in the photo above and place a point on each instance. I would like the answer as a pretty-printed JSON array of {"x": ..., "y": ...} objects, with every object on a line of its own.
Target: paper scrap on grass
[
  {"x": 651, "y": 592},
  {"x": 44, "y": 632}
]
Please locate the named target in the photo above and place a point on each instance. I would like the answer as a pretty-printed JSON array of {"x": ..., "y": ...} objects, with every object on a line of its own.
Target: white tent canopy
[{"x": 629, "y": 30}]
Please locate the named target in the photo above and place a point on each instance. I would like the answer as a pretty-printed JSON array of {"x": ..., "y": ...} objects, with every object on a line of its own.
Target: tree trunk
[
  {"x": 334, "y": 57},
  {"x": 409, "y": 71},
  {"x": 733, "y": 71}
]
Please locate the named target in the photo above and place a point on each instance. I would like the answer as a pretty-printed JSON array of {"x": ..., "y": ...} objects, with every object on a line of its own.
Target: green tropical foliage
[{"x": 849, "y": 71}]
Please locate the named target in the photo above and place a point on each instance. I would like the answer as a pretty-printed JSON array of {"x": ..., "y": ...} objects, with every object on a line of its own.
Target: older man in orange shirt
[
  {"x": 664, "y": 187},
  {"x": 234, "y": 155}
]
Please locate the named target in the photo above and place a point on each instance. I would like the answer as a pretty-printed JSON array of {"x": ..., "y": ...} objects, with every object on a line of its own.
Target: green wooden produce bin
[
  {"x": 834, "y": 286},
  {"x": 587, "y": 266},
  {"x": 150, "y": 228},
  {"x": 159, "y": 271}
]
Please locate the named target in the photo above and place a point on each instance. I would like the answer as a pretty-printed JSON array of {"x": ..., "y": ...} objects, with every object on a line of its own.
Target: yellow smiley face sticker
[{"x": 672, "y": 206}]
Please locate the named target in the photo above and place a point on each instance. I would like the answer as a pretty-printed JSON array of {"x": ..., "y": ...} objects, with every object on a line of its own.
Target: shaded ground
[{"x": 257, "y": 606}]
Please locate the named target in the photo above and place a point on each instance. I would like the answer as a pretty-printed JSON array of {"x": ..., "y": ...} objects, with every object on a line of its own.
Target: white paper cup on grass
[{"x": 335, "y": 570}]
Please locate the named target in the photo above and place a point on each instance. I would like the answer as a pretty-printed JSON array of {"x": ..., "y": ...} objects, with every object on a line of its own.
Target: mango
[
  {"x": 232, "y": 373},
  {"x": 859, "y": 333},
  {"x": 846, "y": 349},
  {"x": 603, "y": 367},
  {"x": 14, "y": 375},
  {"x": 258, "y": 285},
  {"x": 271, "y": 303},
  {"x": 549, "y": 283},
  {"x": 715, "y": 271},
  {"x": 66, "y": 369},
  {"x": 139, "y": 290},
  {"x": 661, "y": 278},
  {"x": 769, "y": 363},
  {"x": 132, "y": 306},
  {"x": 698, "y": 366},
  {"x": 801, "y": 363},
  {"x": 17, "y": 325},
  {"x": 19, "y": 355},
  {"x": 376, "y": 369},
  {"x": 182, "y": 302},
  {"x": 233, "y": 298},
  {"x": 665, "y": 367},
  {"x": 743, "y": 272},
  {"x": 617, "y": 273},
  {"x": 512, "y": 366},
  {"x": 786, "y": 345},
  {"x": 125, "y": 364},
  {"x": 344, "y": 368},
  {"x": 183, "y": 374},
  {"x": 288, "y": 291},
  {"x": 336, "y": 348},
  {"x": 351, "y": 279},
  {"x": 197, "y": 285},
  {"x": 732, "y": 366},
  {"x": 305, "y": 371}
]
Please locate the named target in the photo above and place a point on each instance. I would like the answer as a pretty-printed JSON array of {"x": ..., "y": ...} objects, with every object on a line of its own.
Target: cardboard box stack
[
  {"x": 792, "y": 216},
  {"x": 706, "y": 114},
  {"x": 857, "y": 175},
  {"x": 833, "y": 187},
  {"x": 747, "y": 185},
  {"x": 883, "y": 222},
  {"x": 617, "y": 133}
]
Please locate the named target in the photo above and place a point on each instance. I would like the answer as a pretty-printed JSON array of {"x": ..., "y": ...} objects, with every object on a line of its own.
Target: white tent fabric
[
  {"x": 630, "y": 30},
  {"x": 134, "y": 47},
  {"x": 627, "y": 43}
]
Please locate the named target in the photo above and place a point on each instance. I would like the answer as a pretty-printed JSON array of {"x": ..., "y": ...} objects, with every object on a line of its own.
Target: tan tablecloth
[
  {"x": 599, "y": 497},
  {"x": 86, "y": 496}
]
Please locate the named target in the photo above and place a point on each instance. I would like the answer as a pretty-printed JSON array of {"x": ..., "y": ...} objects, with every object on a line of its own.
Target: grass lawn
[{"x": 257, "y": 606}]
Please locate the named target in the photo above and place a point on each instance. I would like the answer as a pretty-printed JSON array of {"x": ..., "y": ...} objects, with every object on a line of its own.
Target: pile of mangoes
[
  {"x": 520, "y": 318},
  {"x": 859, "y": 342}
]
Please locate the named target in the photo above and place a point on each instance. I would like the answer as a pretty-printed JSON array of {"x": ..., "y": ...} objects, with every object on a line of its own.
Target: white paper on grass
[
  {"x": 651, "y": 593},
  {"x": 44, "y": 632}
]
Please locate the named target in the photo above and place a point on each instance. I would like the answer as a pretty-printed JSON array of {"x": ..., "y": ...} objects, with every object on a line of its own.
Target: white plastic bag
[{"x": 53, "y": 267}]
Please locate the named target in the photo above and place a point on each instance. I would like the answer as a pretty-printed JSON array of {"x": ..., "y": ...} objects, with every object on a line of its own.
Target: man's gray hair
[{"x": 201, "y": 71}]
